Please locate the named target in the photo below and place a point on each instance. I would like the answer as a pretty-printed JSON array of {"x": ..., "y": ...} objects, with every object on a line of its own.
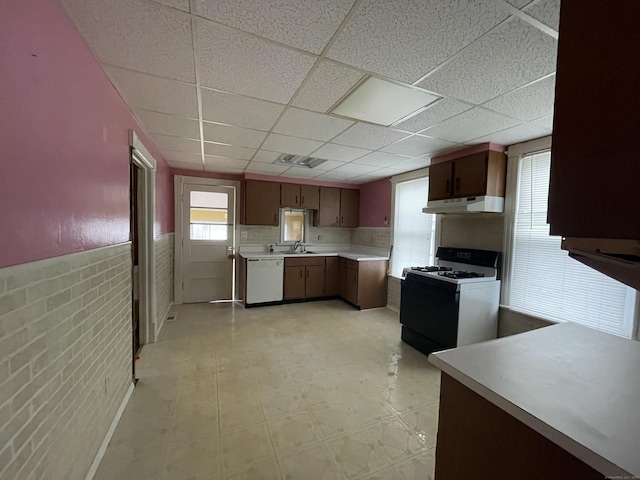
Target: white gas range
[{"x": 452, "y": 303}]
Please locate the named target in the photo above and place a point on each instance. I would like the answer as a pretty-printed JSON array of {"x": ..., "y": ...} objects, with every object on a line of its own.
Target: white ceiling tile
[
  {"x": 238, "y": 62},
  {"x": 517, "y": 134},
  {"x": 265, "y": 156},
  {"x": 519, "y": 3},
  {"x": 179, "y": 4},
  {"x": 137, "y": 34},
  {"x": 176, "y": 144},
  {"x": 305, "y": 25},
  {"x": 329, "y": 165},
  {"x": 370, "y": 137},
  {"x": 381, "y": 159},
  {"x": 527, "y": 103},
  {"x": 219, "y": 164},
  {"x": 512, "y": 55},
  {"x": 439, "y": 111},
  {"x": 181, "y": 157},
  {"x": 155, "y": 93},
  {"x": 547, "y": 11},
  {"x": 469, "y": 125},
  {"x": 389, "y": 172},
  {"x": 284, "y": 144},
  {"x": 260, "y": 167},
  {"x": 299, "y": 172},
  {"x": 169, "y": 124},
  {"x": 326, "y": 84},
  {"x": 545, "y": 122},
  {"x": 416, "y": 145},
  {"x": 186, "y": 166},
  {"x": 415, "y": 164},
  {"x": 305, "y": 124},
  {"x": 334, "y": 176},
  {"x": 243, "y": 137},
  {"x": 355, "y": 168},
  {"x": 240, "y": 111},
  {"x": 341, "y": 153},
  {"x": 230, "y": 151},
  {"x": 405, "y": 39}
]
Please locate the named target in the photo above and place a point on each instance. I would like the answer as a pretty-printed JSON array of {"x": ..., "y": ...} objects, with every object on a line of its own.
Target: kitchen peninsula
[{"x": 554, "y": 403}]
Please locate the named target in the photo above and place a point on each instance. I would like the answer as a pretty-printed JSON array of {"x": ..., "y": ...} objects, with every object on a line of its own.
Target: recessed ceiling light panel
[
  {"x": 298, "y": 160},
  {"x": 383, "y": 102}
]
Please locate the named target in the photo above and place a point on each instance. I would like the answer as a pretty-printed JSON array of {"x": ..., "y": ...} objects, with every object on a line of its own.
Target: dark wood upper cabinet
[
  {"x": 262, "y": 203},
  {"x": 290, "y": 195},
  {"x": 329, "y": 211},
  {"x": 478, "y": 174},
  {"x": 349, "y": 208},
  {"x": 310, "y": 197},
  {"x": 595, "y": 169},
  {"x": 440, "y": 180}
]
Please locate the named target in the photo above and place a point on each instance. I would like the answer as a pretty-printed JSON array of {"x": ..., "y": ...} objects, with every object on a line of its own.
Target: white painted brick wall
[
  {"x": 65, "y": 364},
  {"x": 164, "y": 251},
  {"x": 393, "y": 293}
]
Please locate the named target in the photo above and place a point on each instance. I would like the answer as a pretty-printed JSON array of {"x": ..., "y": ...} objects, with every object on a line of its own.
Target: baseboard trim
[
  {"x": 393, "y": 309},
  {"x": 107, "y": 438}
]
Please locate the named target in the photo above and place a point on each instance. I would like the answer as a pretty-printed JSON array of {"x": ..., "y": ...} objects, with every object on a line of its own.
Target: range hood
[
  {"x": 619, "y": 259},
  {"x": 466, "y": 205}
]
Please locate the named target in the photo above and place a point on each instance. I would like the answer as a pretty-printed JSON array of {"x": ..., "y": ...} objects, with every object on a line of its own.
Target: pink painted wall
[
  {"x": 375, "y": 203},
  {"x": 64, "y": 171}
]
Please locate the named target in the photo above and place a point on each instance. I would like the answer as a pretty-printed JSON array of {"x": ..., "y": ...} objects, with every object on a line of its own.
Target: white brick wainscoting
[
  {"x": 164, "y": 251},
  {"x": 65, "y": 367}
]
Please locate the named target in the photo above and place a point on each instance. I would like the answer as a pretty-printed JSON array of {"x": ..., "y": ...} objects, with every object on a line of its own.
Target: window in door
[{"x": 209, "y": 216}]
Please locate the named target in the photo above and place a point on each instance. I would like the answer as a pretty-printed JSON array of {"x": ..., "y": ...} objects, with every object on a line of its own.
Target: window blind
[
  {"x": 545, "y": 281},
  {"x": 413, "y": 231}
]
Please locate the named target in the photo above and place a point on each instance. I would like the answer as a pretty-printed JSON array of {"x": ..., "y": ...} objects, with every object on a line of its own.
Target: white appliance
[
  {"x": 265, "y": 278},
  {"x": 453, "y": 303},
  {"x": 485, "y": 203}
]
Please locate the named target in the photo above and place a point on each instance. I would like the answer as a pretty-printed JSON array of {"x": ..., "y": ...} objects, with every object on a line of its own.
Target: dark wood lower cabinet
[
  {"x": 314, "y": 281},
  {"x": 364, "y": 283},
  {"x": 294, "y": 284},
  {"x": 331, "y": 278},
  {"x": 477, "y": 439},
  {"x": 303, "y": 278}
]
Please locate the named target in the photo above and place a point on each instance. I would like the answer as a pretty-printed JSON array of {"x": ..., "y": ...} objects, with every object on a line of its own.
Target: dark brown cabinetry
[
  {"x": 364, "y": 283},
  {"x": 261, "y": 203},
  {"x": 331, "y": 279},
  {"x": 477, "y": 174},
  {"x": 290, "y": 195},
  {"x": 339, "y": 207},
  {"x": 596, "y": 132},
  {"x": 310, "y": 197},
  {"x": 304, "y": 277}
]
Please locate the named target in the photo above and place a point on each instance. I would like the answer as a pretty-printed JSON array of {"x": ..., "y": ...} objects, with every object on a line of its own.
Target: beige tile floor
[{"x": 306, "y": 391}]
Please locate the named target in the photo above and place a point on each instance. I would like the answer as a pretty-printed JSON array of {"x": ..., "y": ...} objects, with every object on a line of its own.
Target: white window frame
[
  {"x": 305, "y": 226},
  {"x": 515, "y": 153},
  {"x": 405, "y": 177}
]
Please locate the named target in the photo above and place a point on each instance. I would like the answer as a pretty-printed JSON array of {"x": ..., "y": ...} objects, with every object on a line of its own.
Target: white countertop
[
  {"x": 351, "y": 255},
  {"x": 578, "y": 387}
]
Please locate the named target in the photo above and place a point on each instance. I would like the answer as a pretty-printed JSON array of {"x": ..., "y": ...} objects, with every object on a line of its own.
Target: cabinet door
[
  {"x": 342, "y": 280},
  {"x": 470, "y": 175},
  {"x": 289, "y": 195},
  {"x": 440, "y": 180},
  {"x": 314, "y": 282},
  {"x": 262, "y": 203},
  {"x": 294, "y": 286},
  {"x": 310, "y": 197},
  {"x": 372, "y": 283},
  {"x": 352, "y": 286},
  {"x": 332, "y": 278},
  {"x": 349, "y": 207},
  {"x": 329, "y": 212},
  {"x": 596, "y": 132}
]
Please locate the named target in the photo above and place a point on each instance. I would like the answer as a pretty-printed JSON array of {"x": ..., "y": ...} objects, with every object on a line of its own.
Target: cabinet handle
[
  {"x": 337, "y": 221},
  {"x": 458, "y": 183},
  {"x": 302, "y": 200},
  {"x": 447, "y": 187},
  {"x": 307, "y": 273},
  {"x": 341, "y": 220},
  {"x": 300, "y": 273},
  {"x": 296, "y": 202}
]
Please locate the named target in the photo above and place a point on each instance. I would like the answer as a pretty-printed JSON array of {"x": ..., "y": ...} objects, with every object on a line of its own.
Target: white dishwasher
[{"x": 264, "y": 279}]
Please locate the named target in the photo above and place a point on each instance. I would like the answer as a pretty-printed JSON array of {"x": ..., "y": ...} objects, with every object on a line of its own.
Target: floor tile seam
[
  {"x": 395, "y": 464},
  {"x": 287, "y": 452},
  {"x": 243, "y": 426}
]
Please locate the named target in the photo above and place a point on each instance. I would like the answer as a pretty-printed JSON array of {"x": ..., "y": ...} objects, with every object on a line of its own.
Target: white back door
[{"x": 207, "y": 229}]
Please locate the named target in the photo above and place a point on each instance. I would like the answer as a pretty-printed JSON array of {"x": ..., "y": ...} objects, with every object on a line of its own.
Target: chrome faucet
[{"x": 296, "y": 244}]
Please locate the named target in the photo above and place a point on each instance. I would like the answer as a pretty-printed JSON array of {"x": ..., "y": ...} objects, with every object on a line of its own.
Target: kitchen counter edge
[{"x": 360, "y": 257}]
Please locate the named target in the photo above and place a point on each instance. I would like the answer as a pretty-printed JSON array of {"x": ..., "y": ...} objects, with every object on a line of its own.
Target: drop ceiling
[{"x": 228, "y": 85}]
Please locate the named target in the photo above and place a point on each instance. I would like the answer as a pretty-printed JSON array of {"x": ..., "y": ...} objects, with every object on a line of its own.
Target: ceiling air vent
[{"x": 298, "y": 160}]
